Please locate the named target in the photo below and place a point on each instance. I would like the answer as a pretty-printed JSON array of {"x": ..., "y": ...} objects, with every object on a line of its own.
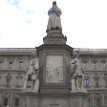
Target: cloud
[{"x": 13, "y": 2}]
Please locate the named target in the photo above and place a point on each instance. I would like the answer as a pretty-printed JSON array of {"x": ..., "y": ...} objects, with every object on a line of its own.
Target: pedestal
[
  {"x": 29, "y": 99},
  {"x": 55, "y": 37},
  {"x": 79, "y": 99}
]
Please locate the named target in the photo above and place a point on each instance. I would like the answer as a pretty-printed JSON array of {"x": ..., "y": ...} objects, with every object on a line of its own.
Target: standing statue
[
  {"x": 54, "y": 22},
  {"x": 77, "y": 74},
  {"x": 32, "y": 74}
]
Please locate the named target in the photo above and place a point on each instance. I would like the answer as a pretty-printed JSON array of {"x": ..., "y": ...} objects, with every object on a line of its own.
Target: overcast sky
[{"x": 23, "y": 23}]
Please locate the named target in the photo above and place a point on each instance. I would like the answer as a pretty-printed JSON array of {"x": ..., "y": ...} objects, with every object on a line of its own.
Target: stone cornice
[
  {"x": 13, "y": 71},
  {"x": 17, "y": 51},
  {"x": 86, "y": 51},
  {"x": 104, "y": 71}
]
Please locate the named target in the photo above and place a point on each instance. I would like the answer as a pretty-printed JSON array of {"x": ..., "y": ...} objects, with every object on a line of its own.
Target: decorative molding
[
  {"x": 11, "y": 58},
  {"x": 20, "y": 58}
]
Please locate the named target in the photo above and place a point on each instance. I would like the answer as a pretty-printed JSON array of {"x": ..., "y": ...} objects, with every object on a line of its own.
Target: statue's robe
[{"x": 54, "y": 22}]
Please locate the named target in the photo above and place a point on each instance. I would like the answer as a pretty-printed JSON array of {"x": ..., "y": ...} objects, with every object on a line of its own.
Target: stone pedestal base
[
  {"x": 79, "y": 99},
  {"x": 55, "y": 37},
  {"x": 29, "y": 99}
]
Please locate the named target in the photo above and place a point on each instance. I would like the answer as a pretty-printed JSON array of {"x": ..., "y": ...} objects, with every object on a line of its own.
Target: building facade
[{"x": 14, "y": 64}]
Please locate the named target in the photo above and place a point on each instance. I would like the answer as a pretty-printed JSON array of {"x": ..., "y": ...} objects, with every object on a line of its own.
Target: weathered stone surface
[
  {"x": 55, "y": 38},
  {"x": 79, "y": 99}
]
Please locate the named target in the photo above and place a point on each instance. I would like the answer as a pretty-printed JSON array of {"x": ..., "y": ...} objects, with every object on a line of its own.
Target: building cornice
[{"x": 17, "y": 51}]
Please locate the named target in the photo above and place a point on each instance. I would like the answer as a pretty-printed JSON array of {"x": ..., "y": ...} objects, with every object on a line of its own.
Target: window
[
  {"x": 94, "y": 61},
  {"x": 89, "y": 100},
  {"x": 86, "y": 79},
  {"x": 0, "y": 64},
  {"x": 21, "y": 64},
  {"x": 103, "y": 64},
  {"x": 95, "y": 64},
  {"x": 105, "y": 79},
  {"x": 10, "y": 65},
  {"x": 106, "y": 82},
  {"x": 105, "y": 100},
  {"x": 98, "y": 102},
  {"x": 5, "y": 101},
  {"x": 96, "y": 79},
  {"x": 16, "y": 101},
  {"x": 8, "y": 79},
  {"x": 86, "y": 82},
  {"x": 29, "y": 82},
  {"x": 96, "y": 83},
  {"x": 84, "y": 60},
  {"x": 84, "y": 64},
  {"x": 19, "y": 81}
]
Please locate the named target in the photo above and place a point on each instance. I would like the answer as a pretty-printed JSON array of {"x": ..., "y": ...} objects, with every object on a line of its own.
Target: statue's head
[
  {"x": 34, "y": 55},
  {"x": 54, "y": 2},
  {"x": 76, "y": 53}
]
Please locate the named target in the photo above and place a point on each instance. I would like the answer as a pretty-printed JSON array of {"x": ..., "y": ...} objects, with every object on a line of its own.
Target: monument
[
  {"x": 54, "y": 28},
  {"x": 31, "y": 77},
  {"x": 54, "y": 23},
  {"x": 77, "y": 74},
  {"x": 56, "y": 77}
]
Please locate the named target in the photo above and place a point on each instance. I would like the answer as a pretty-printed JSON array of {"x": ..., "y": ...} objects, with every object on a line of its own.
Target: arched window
[
  {"x": 19, "y": 81},
  {"x": 8, "y": 79}
]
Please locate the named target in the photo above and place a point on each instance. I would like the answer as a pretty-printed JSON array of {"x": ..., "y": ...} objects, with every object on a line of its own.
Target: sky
[{"x": 23, "y": 23}]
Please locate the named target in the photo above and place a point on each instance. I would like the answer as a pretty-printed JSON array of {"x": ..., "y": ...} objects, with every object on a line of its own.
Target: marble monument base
[
  {"x": 29, "y": 99},
  {"x": 79, "y": 99},
  {"x": 55, "y": 37}
]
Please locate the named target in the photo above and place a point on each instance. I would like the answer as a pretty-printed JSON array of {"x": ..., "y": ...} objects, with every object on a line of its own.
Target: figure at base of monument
[
  {"x": 77, "y": 74},
  {"x": 54, "y": 23},
  {"x": 31, "y": 79}
]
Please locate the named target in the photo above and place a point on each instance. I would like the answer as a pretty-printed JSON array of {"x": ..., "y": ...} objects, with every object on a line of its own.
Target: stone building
[
  {"x": 54, "y": 57},
  {"x": 13, "y": 67},
  {"x": 14, "y": 64}
]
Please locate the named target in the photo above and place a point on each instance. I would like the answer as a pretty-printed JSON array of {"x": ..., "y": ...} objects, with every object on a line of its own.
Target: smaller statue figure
[
  {"x": 32, "y": 74},
  {"x": 77, "y": 74},
  {"x": 54, "y": 22}
]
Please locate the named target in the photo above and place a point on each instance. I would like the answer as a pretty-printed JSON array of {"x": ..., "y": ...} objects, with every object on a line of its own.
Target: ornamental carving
[
  {"x": 20, "y": 58},
  {"x": 11, "y": 58},
  {"x": 54, "y": 69}
]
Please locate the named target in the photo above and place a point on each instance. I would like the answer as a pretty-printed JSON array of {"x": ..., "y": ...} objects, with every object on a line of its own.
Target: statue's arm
[
  {"x": 55, "y": 10},
  {"x": 58, "y": 11}
]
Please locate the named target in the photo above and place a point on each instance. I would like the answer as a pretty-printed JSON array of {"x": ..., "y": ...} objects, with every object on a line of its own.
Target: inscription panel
[{"x": 54, "y": 69}]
